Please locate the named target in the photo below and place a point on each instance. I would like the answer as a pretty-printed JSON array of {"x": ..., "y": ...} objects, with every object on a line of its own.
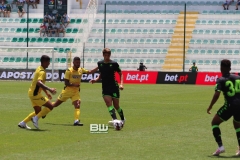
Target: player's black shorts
[
  {"x": 227, "y": 111},
  {"x": 112, "y": 93}
]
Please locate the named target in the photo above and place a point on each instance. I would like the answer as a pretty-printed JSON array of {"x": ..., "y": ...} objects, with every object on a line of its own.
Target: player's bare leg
[
  {"x": 77, "y": 112},
  {"x": 237, "y": 128},
  {"x": 217, "y": 134},
  {"x": 48, "y": 107},
  {"x": 23, "y": 124}
]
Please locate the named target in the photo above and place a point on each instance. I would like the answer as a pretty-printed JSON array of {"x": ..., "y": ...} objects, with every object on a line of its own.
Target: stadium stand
[{"x": 137, "y": 31}]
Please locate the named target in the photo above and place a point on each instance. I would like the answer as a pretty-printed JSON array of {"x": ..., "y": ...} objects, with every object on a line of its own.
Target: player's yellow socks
[
  {"x": 29, "y": 117},
  {"x": 76, "y": 114},
  {"x": 43, "y": 112}
]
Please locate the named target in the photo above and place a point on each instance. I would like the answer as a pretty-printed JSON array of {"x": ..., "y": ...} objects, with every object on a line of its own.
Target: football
[{"x": 118, "y": 125}]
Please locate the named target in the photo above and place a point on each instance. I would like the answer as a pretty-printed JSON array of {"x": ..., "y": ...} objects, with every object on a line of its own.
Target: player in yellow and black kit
[
  {"x": 71, "y": 90},
  {"x": 36, "y": 97}
]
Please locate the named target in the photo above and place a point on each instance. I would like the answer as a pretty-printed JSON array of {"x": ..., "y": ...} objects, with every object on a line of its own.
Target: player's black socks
[
  {"x": 217, "y": 134},
  {"x": 238, "y": 135},
  {"x": 120, "y": 112},
  {"x": 112, "y": 112}
]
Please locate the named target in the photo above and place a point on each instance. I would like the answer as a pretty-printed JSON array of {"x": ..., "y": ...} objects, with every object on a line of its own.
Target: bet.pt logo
[{"x": 176, "y": 78}]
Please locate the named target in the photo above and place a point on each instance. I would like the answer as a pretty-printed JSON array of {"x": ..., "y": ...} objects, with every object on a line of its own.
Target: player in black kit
[
  {"x": 229, "y": 84},
  {"x": 110, "y": 87}
]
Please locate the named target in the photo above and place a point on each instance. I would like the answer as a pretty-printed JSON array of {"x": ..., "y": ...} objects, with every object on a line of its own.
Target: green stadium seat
[
  {"x": 234, "y": 62},
  {"x": 39, "y": 40},
  {"x": 24, "y": 30},
  {"x": 223, "y": 52},
  {"x": 63, "y": 60},
  {"x": 75, "y": 30},
  {"x": 60, "y": 50},
  {"x": 33, "y": 40},
  {"x": 214, "y": 62},
  {"x": 18, "y": 59},
  {"x": 64, "y": 40},
  {"x": 23, "y": 20},
  {"x": 71, "y": 40},
  {"x": 78, "y": 21},
  {"x": 236, "y": 52},
  {"x": 30, "y": 59},
  {"x": 72, "y": 21},
  {"x": 46, "y": 40},
  {"x": 68, "y": 30},
  {"x": 209, "y": 52},
  {"x": 229, "y": 52},
  {"x": 51, "y": 40},
  {"x": 19, "y": 30},
  {"x": 5, "y": 59},
  {"x": 6, "y": 30},
  {"x": 37, "y": 60},
  {"x": 207, "y": 62},
  {"x": 31, "y": 30},
  {"x": 216, "y": 52},
  {"x": 24, "y": 59},
  {"x": 20, "y": 39},
  {"x": 58, "y": 40},
  {"x": 202, "y": 51},
  {"x": 121, "y": 60},
  {"x": 35, "y": 20},
  {"x": 14, "y": 39},
  {"x": 4, "y": 20},
  {"x": 11, "y": 59}
]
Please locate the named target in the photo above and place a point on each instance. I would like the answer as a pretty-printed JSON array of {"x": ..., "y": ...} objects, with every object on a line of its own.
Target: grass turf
[{"x": 163, "y": 122}]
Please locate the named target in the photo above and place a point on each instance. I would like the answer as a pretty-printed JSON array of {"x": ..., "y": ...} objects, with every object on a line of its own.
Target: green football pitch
[{"x": 163, "y": 122}]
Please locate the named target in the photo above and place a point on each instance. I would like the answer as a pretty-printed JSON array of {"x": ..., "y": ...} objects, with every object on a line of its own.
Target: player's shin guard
[
  {"x": 29, "y": 117},
  {"x": 111, "y": 110},
  {"x": 43, "y": 112},
  {"x": 76, "y": 114},
  {"x": 120, "y": 112},
  {"x": 217, "y": 134},
  {"x": 238, "y": 135}
]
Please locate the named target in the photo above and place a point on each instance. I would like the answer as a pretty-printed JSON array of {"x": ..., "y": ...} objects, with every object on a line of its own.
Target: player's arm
[
  {"x": 214, "y": 100},
  {"x": 197, "y": 69},
  {"x": 44, "y": 87},
  {"x": 121, "y": 80},
  {"x": 93, "y": 70},
  {"x": 215, "y": 97},
  {"x": 95, "y": 80},
  {"x": 48, "y": 95},
  {"x": 190, "y": 69}
]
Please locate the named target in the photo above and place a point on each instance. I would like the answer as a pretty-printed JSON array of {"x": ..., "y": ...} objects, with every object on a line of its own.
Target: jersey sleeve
[
  {"x": 218, "y": 86},
  {"x": 117, "y": 68},
  {"x": 41, "y": 76},
  {"x": 84, "y": 70},
  {"x": 67, "y": 74}
]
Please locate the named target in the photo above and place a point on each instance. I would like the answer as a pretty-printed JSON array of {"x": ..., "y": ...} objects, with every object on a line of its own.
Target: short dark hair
[
  {"x": 44, "y": 58},
  {"x": 226, "y": 63},
  {"x": 106, "y": 50},
  {"x": 76, "y": 58}
]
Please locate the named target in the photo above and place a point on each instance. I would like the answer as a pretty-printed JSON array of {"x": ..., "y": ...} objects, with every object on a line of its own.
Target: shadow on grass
[
  {"x": 38, "y": 130},
  {"x": 234, "y": 156},
  {"x": 54, "y": 124}
]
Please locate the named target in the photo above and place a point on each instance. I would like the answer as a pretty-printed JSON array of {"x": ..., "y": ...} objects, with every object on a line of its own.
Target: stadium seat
[{"x": 18, "y": 59}]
